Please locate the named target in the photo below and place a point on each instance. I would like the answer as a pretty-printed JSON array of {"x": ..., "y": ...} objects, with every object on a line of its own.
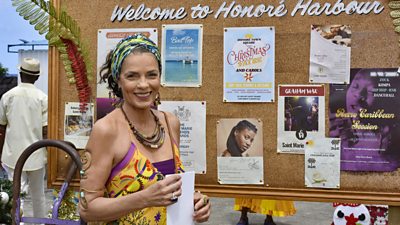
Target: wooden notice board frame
[{"x": 374, "y": 46}]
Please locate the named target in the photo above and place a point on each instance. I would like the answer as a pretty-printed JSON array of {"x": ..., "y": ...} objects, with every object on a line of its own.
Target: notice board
[{"x": 374, "y": 45}]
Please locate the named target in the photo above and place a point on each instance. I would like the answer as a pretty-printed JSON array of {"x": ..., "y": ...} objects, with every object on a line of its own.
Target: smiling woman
[{"x": 134, "y": 147}]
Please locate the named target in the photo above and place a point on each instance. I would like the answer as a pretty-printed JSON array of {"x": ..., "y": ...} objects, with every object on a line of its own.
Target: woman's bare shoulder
[
  {"x": 172, "y": 119},
  {"x": 105, "y": 129},
  {"x": 106, "y": 125},
  {"x": 173, "y": 122}
]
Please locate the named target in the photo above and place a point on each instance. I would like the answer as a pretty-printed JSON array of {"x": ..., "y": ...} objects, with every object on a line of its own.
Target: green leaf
[
  {"x": 26, "y": 11},
  {"x": 32, "y": 14},
  {"x": 39, "y": 17},
  {"x": 16, "y": 3},
  {"x": 44, "y": 29},
  {"x": 50, "y": 35},
  {"x": 24, "y": 6},
  {"x": 43, "y": 5},
  {"x": 54, "y": 40},
  {"x": 41, "y": 24}
]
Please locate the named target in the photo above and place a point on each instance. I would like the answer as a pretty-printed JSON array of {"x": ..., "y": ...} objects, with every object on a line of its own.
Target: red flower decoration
[
  {"x": 351, "y": 220},
  {"x": 79, "y": 69}
]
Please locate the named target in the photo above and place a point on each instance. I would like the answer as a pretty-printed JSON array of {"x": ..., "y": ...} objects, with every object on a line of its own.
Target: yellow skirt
[{"x": 267, "y": 207}]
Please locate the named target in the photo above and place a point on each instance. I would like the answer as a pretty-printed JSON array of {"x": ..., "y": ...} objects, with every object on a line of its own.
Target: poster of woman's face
[{"x": 239, "y": 138}]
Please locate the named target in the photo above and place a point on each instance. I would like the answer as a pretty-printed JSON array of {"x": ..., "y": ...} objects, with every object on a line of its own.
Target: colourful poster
[
  {"x": 77, "y": 124},
  {"x": 365, "y": 115},
  {"x": 330, "y": 50},
  {"x": 182, "y": 55},
  {"x": 107, "y": 39},
  {"x": 192, "y": 115},
  {"x": 240, "y": 151},
  {"x": 249, "y": 64},
  {"x": 301, "y": 116}
]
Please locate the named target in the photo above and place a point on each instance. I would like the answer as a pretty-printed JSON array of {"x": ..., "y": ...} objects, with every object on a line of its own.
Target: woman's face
[
  {"x": 244, "y": 139},
  {"x": 139, "y": 80},
  {"x": 359, "y": 94}
]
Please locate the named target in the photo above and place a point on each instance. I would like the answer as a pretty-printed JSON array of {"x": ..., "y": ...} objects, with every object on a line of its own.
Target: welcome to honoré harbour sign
[{"x": 235, "y": 10}]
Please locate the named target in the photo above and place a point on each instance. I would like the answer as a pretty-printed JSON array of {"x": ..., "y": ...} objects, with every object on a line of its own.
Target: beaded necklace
[{"x": 153, "y": 141}]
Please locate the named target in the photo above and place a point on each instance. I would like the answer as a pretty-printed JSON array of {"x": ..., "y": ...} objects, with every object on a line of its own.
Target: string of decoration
[
  {"x": 62, "y": 32},
  {"x": 395, "y": 14}
]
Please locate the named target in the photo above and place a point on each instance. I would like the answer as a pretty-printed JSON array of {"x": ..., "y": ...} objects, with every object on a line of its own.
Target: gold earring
[{"x": 157, "y": 101}]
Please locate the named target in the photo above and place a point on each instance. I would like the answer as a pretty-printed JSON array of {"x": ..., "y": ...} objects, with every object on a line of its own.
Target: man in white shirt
[{"x": 23, "y": 121}]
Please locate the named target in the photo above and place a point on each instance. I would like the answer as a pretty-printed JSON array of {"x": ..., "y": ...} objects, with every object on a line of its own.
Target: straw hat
[{"x": 30, "y": 66}]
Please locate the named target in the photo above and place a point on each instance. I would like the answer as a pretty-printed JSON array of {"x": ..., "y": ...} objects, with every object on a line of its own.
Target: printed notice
[
  {"x": 192, "y": 115},
  {"x": 249, "y": 64},
  {"x": 301, "y": 116},
  {"x": 77, "y": 124},
  {"x": 365, "y": 116},
  {"x": 182, "y": 55},
  {"x": 240, "y": 151},
  {"x": 322, "y": 163},
  {"x": 330, "y": 54}
]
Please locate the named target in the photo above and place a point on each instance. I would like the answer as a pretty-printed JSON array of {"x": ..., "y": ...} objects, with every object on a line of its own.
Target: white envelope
[{"x": 181, "y": 212}]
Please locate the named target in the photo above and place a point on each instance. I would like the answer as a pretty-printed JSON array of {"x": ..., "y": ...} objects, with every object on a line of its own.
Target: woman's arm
[{"x": 100, "y": 156}]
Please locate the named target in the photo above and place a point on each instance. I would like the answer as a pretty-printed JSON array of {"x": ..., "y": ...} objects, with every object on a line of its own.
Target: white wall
[{"x": 42, "y": 55}]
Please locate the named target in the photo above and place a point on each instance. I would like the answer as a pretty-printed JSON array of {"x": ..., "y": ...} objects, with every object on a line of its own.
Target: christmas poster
[{"x": 249, "y": 64}]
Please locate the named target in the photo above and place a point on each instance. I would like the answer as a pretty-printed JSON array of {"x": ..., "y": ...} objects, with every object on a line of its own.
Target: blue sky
[{"x": 12, "y": 28}]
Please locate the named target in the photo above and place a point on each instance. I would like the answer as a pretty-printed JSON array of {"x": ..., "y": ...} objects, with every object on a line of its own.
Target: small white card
[{"x": 181, "y": 212}]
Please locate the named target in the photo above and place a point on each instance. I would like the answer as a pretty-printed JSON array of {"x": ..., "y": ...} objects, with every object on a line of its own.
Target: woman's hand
[
  {"x": 163, "y": 193},
  {"x": 202, "y": 207}
]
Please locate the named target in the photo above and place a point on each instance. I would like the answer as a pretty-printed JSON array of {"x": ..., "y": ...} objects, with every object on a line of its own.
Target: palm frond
[{"x": 60, "y": 30}]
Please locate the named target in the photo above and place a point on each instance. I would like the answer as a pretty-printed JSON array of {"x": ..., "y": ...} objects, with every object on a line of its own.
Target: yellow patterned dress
[
  {"x": 135, "y": 173},
  {"x": 266, "y": 207}
]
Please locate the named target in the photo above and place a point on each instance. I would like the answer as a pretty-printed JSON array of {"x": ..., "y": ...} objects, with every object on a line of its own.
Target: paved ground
[{"x": 308, "y": 213}]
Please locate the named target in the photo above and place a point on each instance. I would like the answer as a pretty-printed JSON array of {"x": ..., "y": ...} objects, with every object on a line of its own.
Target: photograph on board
[{"x": 182, "y": 55}]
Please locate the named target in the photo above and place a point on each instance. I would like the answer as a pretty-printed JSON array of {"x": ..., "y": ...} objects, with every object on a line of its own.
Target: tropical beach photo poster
[
  {"x": 107, "y": 39},
  {"x": 182, "y": 55}
]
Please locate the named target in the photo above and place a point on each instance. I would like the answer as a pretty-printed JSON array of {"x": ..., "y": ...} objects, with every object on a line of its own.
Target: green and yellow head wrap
[{"x": 126, "y": 46}]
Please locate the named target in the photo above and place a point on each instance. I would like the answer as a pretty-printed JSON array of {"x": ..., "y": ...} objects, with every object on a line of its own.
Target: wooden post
[{"x": 394, "y": 215}]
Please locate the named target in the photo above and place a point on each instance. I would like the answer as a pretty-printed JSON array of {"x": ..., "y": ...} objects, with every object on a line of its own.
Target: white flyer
[
  {"x": 322, "y": 163},
  {"x": 192, "y": 115},
  {"x": 330, "y": 50},
  {"x": 181, "y": 212},
  {"x": 77, "y": 124}
]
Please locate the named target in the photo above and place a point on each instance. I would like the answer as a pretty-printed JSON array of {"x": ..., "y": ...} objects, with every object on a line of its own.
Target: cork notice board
[{"x": 374, "y": 45}]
